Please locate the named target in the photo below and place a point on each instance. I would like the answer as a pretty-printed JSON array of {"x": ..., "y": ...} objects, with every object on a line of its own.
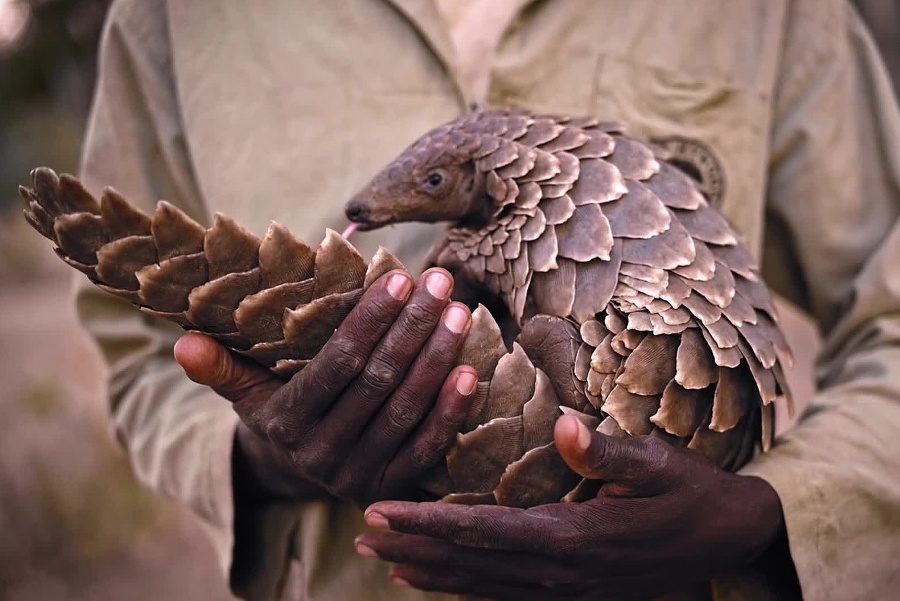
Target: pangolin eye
[{"x": 434, "y": 180}]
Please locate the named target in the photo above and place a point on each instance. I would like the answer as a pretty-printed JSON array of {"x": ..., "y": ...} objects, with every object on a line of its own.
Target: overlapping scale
[
  {"x": 640, "y": 312},
  {"x": 634, "y": 239},
  {"x": 275, "y": 300}
]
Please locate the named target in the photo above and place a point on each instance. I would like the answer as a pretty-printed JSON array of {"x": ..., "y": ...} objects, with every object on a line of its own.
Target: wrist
[
  {"x": 772, "y": 556},
  {"x": 764, "y": 526},
  {"x": 261, "y": 474}
]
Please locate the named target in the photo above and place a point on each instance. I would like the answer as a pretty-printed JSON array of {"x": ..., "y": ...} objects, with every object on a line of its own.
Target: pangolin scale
[{"x": 637, "y": 308}]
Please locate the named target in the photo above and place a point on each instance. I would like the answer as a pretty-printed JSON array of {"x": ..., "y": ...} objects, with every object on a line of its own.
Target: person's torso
[{"x": 289, "y": 107}]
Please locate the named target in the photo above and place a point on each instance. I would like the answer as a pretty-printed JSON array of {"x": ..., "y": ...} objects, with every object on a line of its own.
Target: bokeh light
[{"x": 14, "y": 18}]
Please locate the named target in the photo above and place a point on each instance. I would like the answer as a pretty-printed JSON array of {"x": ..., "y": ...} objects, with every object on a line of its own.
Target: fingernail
[
  {"x": 456, "y": 319},
  {"x": 183, "y": 345},
  {"x": 365, "y": 550},
  {"x": 376, "y": 520},
  {"x": 399, "y": 286},
  {"x": 465, "y": 383},
  {"x": 584, "y": 435},
  {"x": 438, "y": 284}
]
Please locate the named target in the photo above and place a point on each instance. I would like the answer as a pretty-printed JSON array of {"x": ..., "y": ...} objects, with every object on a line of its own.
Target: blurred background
[{"x": 73, "y": 523}]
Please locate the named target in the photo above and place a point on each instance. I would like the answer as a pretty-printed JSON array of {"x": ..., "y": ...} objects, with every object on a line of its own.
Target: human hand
[
  {"x": 377, "y": 407},
  {"x": 665, "y": 518}
]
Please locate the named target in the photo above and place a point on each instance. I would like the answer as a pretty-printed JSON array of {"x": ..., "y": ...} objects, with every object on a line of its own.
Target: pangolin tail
[{"x": 275, "y": 299}]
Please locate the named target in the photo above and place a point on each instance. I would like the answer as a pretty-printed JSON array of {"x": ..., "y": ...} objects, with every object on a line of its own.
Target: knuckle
[
  {"x": 435, "y": 363},
  {"x": 605, "y": 455},
  {"x": 448, "y": 427},
  {"x": 254, "y": 414},
  {"x": 424, "y": 457},
  {"x": 281, "y": 430},
  {"x": 224, "y": 374},
  {"x": 374, "y": 311},
  {"x": 381, "y": 375},
  {"x": 373, "y": 314},
  {"x": 230, "y": 376},
  {"x": 401, "y": 416},
  {"x": 656, "y": 453},
  {"x": 429, "y": 451},
  {"x": 417, "y": 320},
  {"x": 471, "y": 530},
  {"x": 344, "y": 361},
  {"x": 314, "y": 463}
]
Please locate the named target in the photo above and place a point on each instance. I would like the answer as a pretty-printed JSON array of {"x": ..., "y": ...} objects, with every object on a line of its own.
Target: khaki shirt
[{"x": 281, "y": 110}]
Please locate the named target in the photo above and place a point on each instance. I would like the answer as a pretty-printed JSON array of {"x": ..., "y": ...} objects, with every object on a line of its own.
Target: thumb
[
  {"x": 633, "y": 465},
  {"x": 207, "y": 362}
]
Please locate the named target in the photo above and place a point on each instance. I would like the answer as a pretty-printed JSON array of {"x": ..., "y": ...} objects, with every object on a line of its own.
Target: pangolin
[{"x": 633, "y": 303}]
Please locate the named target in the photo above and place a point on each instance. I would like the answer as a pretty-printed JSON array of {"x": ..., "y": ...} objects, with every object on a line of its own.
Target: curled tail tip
[{"x": 42, "y": 171}]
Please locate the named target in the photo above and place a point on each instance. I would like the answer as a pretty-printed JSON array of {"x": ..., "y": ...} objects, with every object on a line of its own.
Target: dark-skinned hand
[
  {"x": 377, "y": 407},
  {"x": 664, "y": 518}
]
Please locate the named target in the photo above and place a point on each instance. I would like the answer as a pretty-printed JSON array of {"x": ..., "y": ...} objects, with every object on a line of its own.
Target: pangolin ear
[
  {"x": 474, "y": 188},
  {"x": 469, "y": 184}
]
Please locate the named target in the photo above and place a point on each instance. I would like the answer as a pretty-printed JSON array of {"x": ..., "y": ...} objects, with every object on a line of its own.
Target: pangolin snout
[{"x": 357, "y": 211}]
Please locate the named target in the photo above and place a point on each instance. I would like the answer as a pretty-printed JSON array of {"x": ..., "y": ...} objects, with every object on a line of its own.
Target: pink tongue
[{"x": 348, "y": 231}]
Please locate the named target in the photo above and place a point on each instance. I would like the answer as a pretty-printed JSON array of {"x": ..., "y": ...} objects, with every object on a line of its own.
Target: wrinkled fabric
[{"x": 283, "y": 110}]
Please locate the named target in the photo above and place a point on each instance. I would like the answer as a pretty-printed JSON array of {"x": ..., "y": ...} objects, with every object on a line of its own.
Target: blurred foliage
[
  {"x": 65, "y": 527},
  {"x": 70, "y": 506},
  {"x": 46, "y": 79}
]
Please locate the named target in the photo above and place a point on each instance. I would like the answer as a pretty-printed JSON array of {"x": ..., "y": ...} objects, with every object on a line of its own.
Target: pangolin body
[{"x": 639, "y": 310}]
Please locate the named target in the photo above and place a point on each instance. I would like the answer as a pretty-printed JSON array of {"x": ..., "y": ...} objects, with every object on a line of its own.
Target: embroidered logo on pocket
[{"x": 699, "y": 161}]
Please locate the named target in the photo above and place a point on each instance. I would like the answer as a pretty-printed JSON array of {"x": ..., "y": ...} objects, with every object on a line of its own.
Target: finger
[
  {"x": 520, "y": 569},
  {"x": 642, "y": 465},
  {"x": 387, "y": 366},
  {"x": 340, "y": 360},
  {"x": 437, "y": 433},
  {"x": 460, "y": 583},
  {"x": 548, "y": 529},
  {"x": 592, "y": 587},
  {"x": 207, "y": 362},
  {"x": 413, "y": 399}
]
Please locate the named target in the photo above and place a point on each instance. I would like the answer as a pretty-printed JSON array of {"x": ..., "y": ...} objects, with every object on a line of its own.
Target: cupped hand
[
  {"x": 664, "y": 519},
  {"x": 371, "y": 414}
]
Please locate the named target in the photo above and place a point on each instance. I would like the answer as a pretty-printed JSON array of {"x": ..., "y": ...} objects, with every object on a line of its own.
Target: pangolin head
[{"x": 433, "y": 180}]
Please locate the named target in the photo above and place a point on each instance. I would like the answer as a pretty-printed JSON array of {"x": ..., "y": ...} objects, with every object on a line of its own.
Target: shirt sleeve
[
  {"x": 834, "y": 195},
  {"x": 177, "y": 434}
]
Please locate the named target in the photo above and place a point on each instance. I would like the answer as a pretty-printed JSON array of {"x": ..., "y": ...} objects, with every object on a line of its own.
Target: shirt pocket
[{"x": 713, "y": 128}]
